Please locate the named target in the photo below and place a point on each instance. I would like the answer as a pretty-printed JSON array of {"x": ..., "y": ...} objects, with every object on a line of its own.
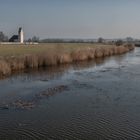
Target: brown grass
[
  {"x": 4, "y": 68},
  {"x": 14, "y": 58}
]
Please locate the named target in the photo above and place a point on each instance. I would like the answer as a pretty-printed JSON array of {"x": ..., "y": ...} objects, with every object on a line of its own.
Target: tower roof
[{"x": 20, "y": 29}]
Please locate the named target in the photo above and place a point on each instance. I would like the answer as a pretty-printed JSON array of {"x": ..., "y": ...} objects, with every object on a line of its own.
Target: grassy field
[
  {"x": 17, "y": 50},
  {"x": 18, "y": 57}
]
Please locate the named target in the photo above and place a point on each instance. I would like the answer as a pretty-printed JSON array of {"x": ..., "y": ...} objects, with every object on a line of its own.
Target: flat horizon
[{"x": 76, "y": 19}]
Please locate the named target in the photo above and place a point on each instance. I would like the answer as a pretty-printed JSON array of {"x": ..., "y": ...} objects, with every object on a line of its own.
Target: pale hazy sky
[{"x": 71, "y": 18}]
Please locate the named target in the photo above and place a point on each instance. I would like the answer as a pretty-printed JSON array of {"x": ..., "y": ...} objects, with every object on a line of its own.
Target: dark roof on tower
[{"x": 19, "y": 29}]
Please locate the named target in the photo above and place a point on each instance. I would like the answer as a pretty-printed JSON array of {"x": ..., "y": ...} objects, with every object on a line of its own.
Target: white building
[
  {"x": 20, "y": 35},
  {"x": 18, "y": 38}
]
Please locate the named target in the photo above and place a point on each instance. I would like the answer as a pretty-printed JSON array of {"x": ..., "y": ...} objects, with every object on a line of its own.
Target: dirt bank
[{"x": 8, "y": 64}]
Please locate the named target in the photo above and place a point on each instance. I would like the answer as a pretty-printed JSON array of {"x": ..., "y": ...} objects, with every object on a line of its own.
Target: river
[{"x": 94, "y": 100}]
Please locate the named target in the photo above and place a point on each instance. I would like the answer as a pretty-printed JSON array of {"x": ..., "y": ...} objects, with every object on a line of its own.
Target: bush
[{"x": 119, "y": 43}]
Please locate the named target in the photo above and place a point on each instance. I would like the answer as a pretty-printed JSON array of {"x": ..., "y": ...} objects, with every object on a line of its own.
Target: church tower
[{"x": 21, "y": 35}]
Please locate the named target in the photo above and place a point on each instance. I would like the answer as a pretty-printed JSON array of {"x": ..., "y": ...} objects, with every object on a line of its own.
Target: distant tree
[
  {"x": 129, "y": 39},
  {"x": 29, "y": 40},
  {"x": 3, "y": 37},
  {"x": 6, "y": 39},
  {"x": 100, "y": 40},
  {"x": 119, "y": 42},
  {"x": 35, "y": 39}
]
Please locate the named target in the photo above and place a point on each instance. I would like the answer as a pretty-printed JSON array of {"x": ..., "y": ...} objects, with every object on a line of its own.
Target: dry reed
[{"x": 9, "y": 64}]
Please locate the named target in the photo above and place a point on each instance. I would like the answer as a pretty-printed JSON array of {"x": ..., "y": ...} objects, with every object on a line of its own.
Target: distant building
[
  {"x": 14, "y": 38},
  {"x": 20, "y": 35},
  {"x": 18, "y": 38}
]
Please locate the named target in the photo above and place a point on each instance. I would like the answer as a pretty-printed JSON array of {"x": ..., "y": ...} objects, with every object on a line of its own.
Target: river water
[{"x": 97, "y": 100}]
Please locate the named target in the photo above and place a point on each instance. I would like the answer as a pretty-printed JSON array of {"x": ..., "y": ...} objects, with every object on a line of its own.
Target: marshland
[
  {"x": 83, "y": 100},
  {"x": 69, "y": 70},
  {"x": 20, "y": 57}
]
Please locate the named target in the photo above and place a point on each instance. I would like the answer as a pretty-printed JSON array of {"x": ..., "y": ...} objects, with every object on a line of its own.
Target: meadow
[{"x": 23, "y": 49}]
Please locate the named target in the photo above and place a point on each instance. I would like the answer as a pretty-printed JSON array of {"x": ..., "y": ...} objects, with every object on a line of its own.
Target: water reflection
[{"x": 54, "y": 72}]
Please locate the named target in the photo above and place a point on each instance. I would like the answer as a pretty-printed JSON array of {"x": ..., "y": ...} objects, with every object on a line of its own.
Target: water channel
[{"x": 97, "y": 100}]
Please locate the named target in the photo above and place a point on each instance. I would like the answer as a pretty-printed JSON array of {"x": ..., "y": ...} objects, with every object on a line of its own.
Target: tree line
[{"x": 4, "y": 38}]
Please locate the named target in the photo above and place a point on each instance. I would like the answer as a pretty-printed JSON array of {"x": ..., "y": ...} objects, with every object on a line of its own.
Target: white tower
[{"x": 21, "y": 35}]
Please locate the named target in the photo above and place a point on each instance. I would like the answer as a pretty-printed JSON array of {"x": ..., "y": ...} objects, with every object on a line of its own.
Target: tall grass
[{"x": 14, "y": 58}]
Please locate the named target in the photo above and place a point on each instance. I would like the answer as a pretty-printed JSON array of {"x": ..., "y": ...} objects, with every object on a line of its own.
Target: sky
[{"x": 71, "y": 18}]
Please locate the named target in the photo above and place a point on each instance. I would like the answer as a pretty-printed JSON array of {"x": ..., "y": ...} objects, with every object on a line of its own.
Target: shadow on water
[{"x": 84, "y": 100}]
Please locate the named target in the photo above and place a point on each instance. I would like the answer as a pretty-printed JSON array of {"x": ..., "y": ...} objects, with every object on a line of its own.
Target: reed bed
[{"x": 19, "y": 57}]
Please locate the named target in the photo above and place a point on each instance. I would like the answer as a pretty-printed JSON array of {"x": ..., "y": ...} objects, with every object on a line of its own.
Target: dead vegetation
[{"x": 13, "y": 58}]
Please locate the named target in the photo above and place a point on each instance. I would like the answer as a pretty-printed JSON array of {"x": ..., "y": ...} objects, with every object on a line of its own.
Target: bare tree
[
  {"x": 100, "y": 40},
  {"x": 35, "y": 39},
  {"x": 3, "y": 37},
  {"x": 29, "y": 40},
  {"x": 119, "y": 42},
  {"x": 129, "y": 39}
]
